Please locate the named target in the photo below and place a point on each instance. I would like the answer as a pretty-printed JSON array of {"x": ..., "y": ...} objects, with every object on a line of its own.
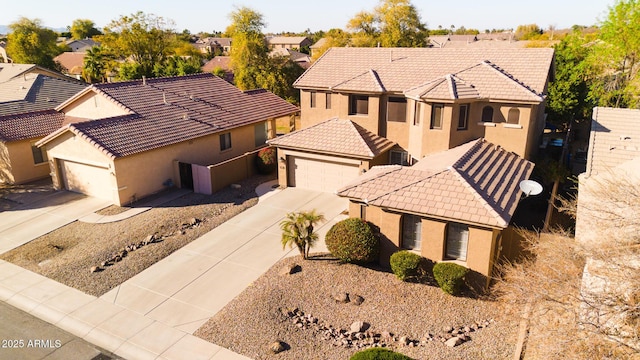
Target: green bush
[
  {"x": 449, "y": 276},
  {"x": 266, "y": 161},
  {"x": 352, "y": 240},
  {"x": 378, "y": 354},
  {"x": 405, "y": 264}
]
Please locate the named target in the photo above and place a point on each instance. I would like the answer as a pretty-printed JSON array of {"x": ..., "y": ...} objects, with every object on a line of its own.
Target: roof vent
[
  {"x": 164, "y": 98},
  {"x": 144, "y": 80}
]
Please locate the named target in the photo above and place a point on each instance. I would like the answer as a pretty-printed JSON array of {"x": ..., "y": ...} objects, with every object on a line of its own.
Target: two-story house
[{"x": 465, "y": 120}]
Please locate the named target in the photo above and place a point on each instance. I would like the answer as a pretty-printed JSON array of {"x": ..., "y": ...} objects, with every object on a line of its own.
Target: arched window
[
  {"x": 487, "y": 114},
  {"x": 514, "y": 116}
]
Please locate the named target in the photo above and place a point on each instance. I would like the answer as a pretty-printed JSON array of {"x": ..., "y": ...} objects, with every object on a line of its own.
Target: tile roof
[
  {"x": 30, "y": 125},
  {"x": 223, "y": 62},
  {"x": 35, "y": 92},
  {"x": 71, "y": 61},
  {"x": 335, "y": 136},
  {"x": 400, "y": 69},
  {"x": 289, "y": 40},
  {"x": 167, "y": 111},
  {"x": 614, "y": 139},
  {"x": 9, "y": 71},
  {"x": 474, "y": 183}
]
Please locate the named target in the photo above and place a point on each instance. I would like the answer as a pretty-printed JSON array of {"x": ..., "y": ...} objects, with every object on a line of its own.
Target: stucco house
[
  {"x": 456, "y": 128},
  {"x": 289, "y": 42},
  {"x": 142, "y": 136},
  {"x": 72, "y": 63},
  {"x": 27, "y": 100}
]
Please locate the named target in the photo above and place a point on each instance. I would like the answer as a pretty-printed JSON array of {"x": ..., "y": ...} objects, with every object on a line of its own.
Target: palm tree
[
  {"x": 297, "y": 229},
  {"x": 96, "y": 64}
]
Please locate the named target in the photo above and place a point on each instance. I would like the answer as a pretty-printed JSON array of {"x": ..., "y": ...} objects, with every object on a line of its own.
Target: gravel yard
[
  {"x": 261, "y": 315},
  {"x": 68, "y": 253}
]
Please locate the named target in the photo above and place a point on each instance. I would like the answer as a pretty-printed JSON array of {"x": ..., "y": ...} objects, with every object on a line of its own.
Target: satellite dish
[{"x": 530, "y": 187}]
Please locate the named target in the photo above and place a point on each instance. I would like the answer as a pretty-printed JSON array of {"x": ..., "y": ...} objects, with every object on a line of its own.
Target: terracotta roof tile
[
  {"x": 337, "y": 137},
  {"x": 498, "y": 72},
  {"x": 167, "y": 111},
  {"x": 477, "y": 185},
  {"x": 30, "y": 125},
  {"x": 35, "y": 92}
]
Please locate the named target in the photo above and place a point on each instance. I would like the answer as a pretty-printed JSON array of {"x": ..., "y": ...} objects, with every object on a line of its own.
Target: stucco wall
[
  {"x": 93, "y": 106},
  {"x": 20, "y": 167}
]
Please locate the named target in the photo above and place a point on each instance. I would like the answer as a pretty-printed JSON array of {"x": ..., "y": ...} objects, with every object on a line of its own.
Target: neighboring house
[
  {"x": 72, "y": 63},
  {"x": 219, "y": 62},
  {"x": 289, "y": 42},
  {"x": 302, "y": 59},
  {"x": 27, "y": 101},
  {"x": 13, "y": 70},
  {"x": 607, "y": 219},
  {"x": 451, "y": 206},
  {"x": 3, "y": 53},
  {"x": 146, "y": 135},
  {"x": 81, "y": 45},
  {"x": 479, "y": 40},
  {"x": 457, "y": 127},
  {"x": 212, "y": 45},
  {"x": 318, "y": 46}
]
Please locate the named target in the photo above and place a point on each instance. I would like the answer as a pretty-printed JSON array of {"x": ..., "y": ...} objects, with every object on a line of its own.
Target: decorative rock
[
  {"x": 290, "y": 269},
  {"x": 359, "y": 326},
  {"x": 277, "y": 347},
  {"x": 95, "y": 269},
  {"x": 448, "y": 329},
  {"x": 193, "y": 221},
  {"x": 105, "y": 263},
  {"x": 357, "y": 300},
  {"x": 117, "y": 258},
  {"x": 149, "y": 239},
  {"x": 341, "y": 297},
  {"x": 403, "y": 340},
  {"x": 453, "y": 342}
]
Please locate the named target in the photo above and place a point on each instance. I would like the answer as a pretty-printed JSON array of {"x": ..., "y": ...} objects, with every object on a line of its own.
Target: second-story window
[
  {"x": 225, "y": 141},
  {"x": 437, "y": 112},
  {"x": 328, "y": 101},
  {"x": 463, "y": 117},
  {"x": 313, "y": 100},
  {"x": 514, "y": 116},
  {"x": 487, "y": 114},
  {"x": 358, "y": 105},
  {"x": 397, "y": 109},
  {"x": 417, "y": 113}
]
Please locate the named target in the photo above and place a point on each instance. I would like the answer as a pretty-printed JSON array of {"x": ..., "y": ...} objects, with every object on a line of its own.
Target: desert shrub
[
  {"x": 378, "y": 354},
  {"x": 449, "y": 276},
  {"x": 266, "y": 161},
  {"x": 405, "y": 264},
  {"x": 352, "y": 240}
]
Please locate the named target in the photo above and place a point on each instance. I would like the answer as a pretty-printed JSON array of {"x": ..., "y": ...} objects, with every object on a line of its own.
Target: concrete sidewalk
[{"x": 154, "y": 314}]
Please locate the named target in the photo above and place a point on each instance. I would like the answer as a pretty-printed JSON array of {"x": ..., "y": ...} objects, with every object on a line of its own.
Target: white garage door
[
  {"x": 86, "y": 179},
  {"x": 319, "y": 174}
]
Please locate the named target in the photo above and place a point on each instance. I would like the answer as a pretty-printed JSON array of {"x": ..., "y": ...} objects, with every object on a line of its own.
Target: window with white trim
[
  {"x": 411, "y": 232},
  {"x": 457, "y": 242}
]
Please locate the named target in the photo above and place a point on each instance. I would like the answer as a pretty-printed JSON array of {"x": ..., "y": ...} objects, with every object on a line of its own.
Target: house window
[
  {"x": 358, "y": 105},
  {"x": 417, "y": 113},
  {"x": 327, "y": 104},
  {"x": 313, "y": 96},
  {"x": 457, "y": 241},
  {"x": 463, "y": 117},
  {"x": 398, "y": 157},
  {"x": 411, "y": 232},
  {"x": 261, "y": 134},
  {"x": 225, "y": 141},
  {"x": 39, "y": 154},
  {"x": 487, "y": 114},
  {"x": 397, "y": 109},
  {"x": 363, "y": 211},
  {"x": 437, "y": 112},
  {"x": 514, "y": 116}
]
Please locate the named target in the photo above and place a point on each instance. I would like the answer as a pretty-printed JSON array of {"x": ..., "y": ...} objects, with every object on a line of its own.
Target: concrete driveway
[
  {"x": 191, "y": 285},
  {"x": 33, "y": 219}
]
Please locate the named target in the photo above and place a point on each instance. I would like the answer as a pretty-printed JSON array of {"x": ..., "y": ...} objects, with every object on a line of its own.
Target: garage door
[
  {"x": 320, "y": 174},
  {"x": 86, "y": 179}
]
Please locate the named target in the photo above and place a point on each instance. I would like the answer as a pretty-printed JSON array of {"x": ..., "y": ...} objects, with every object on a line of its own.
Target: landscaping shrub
[
  {"x": 266, "y": 161},
  {"x": 378, "y": 354},
  {"x": 449, "y": 276},
  {"x": 405, "y": 264},
  {"x": 352, "y": 240}
]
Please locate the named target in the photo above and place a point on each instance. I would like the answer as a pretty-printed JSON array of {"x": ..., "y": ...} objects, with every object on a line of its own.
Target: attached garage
[
  {"x": 86, "y": 179},
  {"x": 320, "y": 175}
]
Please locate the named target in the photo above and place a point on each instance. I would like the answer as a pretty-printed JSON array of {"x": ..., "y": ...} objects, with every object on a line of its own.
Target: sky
[{"x": 297, "y": 15}]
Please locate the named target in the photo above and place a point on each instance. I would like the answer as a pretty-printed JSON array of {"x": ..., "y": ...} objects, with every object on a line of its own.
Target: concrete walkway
[{"x": 154, "y": 314}]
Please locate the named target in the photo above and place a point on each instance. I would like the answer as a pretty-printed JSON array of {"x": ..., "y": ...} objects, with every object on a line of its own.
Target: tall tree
[
  {"x": 83, "y": 29},
  {"x": 333, "y": 38},
  {"x": 146, "y": 39},
  {"x": 97, "y": 64},
  {"x": 617, "y": 56},
  {"x": 249, "y": 51},
  {"x": 30, "y": 43}
]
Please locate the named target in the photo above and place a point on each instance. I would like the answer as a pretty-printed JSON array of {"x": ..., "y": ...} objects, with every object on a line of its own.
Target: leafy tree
[
  {"x": 278, "y": 75},
  {"x": 249, "y": 51},
  {"x": 334, "y": 38},
  {"x": 83, "y": 29},
  {"x": 177, "y": 66},
  {"x": 146, "y": 39},
  {"x": 30, "y": 43},
  {"x": 528, "y": 32},
  {"x": 616, "y": 57},
  {"x": 97, "y": 64},
  {"x": 297, "y": 229}
]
